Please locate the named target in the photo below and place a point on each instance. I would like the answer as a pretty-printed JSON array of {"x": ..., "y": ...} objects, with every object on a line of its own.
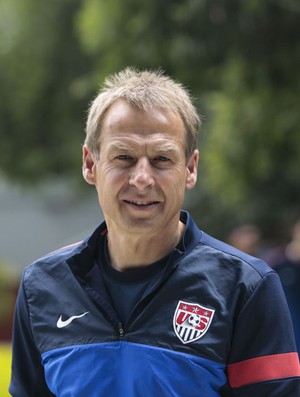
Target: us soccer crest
[{"x": 191, "y": 321}]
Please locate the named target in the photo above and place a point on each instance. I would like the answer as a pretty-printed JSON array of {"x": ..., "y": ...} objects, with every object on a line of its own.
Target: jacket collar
[{"x": 86, "y": 252}]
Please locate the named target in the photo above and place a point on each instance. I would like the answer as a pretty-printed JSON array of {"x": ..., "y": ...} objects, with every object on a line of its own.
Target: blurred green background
[{"x": 239, "y": 59}]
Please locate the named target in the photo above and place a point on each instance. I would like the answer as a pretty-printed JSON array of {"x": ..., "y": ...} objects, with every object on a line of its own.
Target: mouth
[{"x": 141, "y": 203}]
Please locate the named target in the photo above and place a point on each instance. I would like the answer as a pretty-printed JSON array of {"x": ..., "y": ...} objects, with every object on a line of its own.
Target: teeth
[{"x": 140, "y": 202}]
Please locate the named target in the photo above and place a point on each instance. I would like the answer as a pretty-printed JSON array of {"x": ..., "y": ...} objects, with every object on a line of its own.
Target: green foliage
[
  {"x": 252, "y": 148},
  {"x": 41, "y": 114},
  {"x": 239, "y": 59}
]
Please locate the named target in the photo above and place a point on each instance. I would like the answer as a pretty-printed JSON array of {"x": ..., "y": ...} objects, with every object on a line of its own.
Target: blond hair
[{"x": 145, "y": 90}]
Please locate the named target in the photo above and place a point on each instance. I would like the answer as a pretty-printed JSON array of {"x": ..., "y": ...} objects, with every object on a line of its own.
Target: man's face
[{"x": 142, "y": 172}]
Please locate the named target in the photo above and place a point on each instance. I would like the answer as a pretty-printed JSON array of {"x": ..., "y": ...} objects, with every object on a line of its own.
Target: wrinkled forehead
[{"x": 140, "y": 145}]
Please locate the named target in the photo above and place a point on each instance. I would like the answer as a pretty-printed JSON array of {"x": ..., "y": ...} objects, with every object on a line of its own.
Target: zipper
[
  {"x": 105, "y": 305},
  {"x": 121, "y": 329}
]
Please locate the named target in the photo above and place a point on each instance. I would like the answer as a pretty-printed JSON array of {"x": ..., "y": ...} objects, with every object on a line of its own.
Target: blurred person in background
[
  {"x": 246, "y": 238},
  {"x": 286, "y": 261},
  {"x": 149, "y": 305}
]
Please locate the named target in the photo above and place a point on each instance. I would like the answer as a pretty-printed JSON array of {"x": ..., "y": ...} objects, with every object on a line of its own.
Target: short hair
[{"x": 145, "y": 90}]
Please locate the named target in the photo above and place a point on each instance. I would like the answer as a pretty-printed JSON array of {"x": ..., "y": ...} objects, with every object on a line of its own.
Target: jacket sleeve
[
  {"x": 264, "y": 360},
  {"x": 27, "y": 377}
]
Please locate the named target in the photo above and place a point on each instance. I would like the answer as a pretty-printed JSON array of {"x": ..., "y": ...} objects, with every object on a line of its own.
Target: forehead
[{"x": 125, "y": 121}]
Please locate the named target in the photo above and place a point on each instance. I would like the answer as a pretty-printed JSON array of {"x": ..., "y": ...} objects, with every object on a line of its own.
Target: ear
[
  {"x": 191, "y": 170},
  {"x": 88, "y": 166}
]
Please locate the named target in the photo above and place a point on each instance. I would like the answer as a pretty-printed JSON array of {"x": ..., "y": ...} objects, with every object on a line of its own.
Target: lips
[{"x": 141, "y": 203}]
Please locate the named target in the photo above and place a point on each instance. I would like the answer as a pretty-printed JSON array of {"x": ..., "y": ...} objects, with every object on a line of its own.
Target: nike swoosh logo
[{"x": 63, "y": 323}]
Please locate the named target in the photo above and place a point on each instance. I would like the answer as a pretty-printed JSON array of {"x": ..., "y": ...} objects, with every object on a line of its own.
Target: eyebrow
[
  {"x": 119, "y": 146},
  {"x": 166, "y": 148},
  {"x": 163, "y": 148}
]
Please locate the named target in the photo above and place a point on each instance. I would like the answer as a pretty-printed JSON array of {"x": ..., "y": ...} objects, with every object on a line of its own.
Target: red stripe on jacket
[{"x": 262, "y": 369}]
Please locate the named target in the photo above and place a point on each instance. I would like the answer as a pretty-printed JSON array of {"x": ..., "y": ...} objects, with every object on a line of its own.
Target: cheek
[
  {"x": 109, "y": 181},
  {"x": 174, "y": 183}
]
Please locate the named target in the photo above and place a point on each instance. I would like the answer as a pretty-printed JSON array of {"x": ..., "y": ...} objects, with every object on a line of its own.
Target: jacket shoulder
[
  {"x": 53, "y": 259},
  {"x": 234, "y": 257}
]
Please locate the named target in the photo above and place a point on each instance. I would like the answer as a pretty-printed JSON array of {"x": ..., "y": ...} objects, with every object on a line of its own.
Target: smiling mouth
[{"x": 141, "y": 203}]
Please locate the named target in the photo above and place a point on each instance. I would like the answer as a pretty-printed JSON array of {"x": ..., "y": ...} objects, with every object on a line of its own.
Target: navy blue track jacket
[{"x": 216, "y": 323}]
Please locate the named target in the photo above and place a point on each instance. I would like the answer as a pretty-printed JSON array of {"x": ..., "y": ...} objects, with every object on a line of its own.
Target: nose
[{"x": 142, "y": 176}]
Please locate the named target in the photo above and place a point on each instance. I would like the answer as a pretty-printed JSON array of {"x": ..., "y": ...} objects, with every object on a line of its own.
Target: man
[
  {"x": 286, "y": 261},
  {"x": 149, "y": 305}
]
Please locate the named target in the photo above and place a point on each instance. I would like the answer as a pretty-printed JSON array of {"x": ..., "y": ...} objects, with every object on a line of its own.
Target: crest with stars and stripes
[{"x": 191, "y": 321}]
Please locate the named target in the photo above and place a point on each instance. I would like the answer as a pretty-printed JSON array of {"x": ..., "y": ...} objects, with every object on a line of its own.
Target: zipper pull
[{"x": 121, "y": 329}]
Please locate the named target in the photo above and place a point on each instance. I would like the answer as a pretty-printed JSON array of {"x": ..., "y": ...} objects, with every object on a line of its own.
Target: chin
[{"x": 140, "y": 225}]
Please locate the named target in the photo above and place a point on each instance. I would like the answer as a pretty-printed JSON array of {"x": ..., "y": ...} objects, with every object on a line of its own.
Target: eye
[
  {"x": 162, "y": 162},
  {"x": 123, "y": 157},
  {"x": 162, "y": 158}
]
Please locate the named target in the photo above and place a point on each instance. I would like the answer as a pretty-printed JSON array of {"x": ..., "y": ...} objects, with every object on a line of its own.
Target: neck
[{"x": 133, "y": 251}]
